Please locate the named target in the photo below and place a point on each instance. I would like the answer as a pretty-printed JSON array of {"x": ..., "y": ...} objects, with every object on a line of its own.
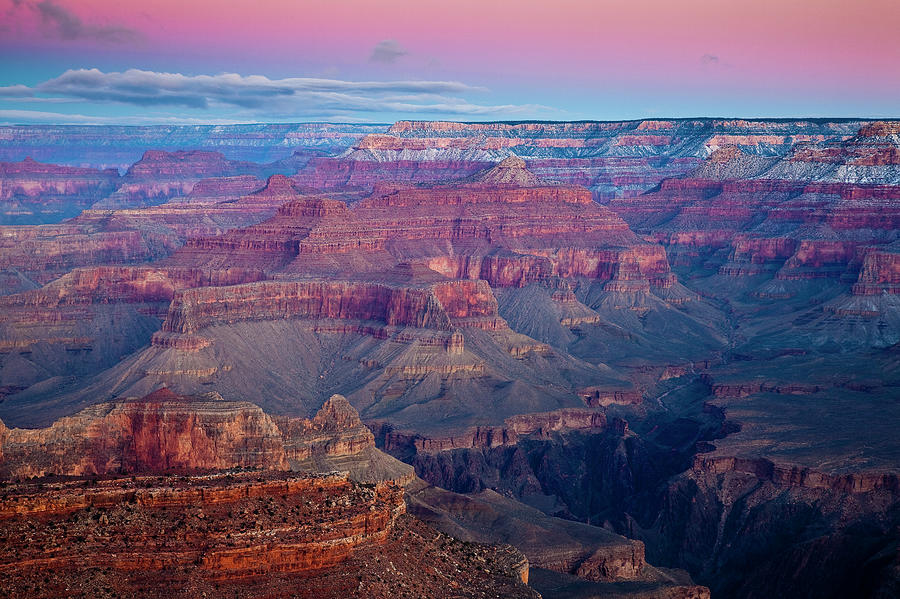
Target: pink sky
[{"x": 557, "y": 54}]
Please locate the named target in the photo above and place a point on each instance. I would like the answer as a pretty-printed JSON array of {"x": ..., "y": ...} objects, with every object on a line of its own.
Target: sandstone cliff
[
  {"x": 242, "y": 534},
  {"x": 165, "y": 432}
]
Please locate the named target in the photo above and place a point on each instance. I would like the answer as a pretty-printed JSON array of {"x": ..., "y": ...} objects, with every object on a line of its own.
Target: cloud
[
  {"x": 714, "y": 61},
  {"x": 12, "y": 117},
  {"x": 258, "y": 96},
  {"x": 387, "y": 51},
  {"x": 16, "y": 91},
  {"x": 145, "y": 88},
  {"x": 62, "y": 23}
]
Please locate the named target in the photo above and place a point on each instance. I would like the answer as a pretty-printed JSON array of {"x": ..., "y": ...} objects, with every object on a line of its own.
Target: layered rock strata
[
  {"x": 33, "y": 193},
  {"x": 165, "y": 432}
]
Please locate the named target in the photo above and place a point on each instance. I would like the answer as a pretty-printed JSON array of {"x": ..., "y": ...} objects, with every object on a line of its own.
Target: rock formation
[
  {"x": 243, "y": 534},
  {"x": 165, "y": 432},
  {"x": 681, "y": 331},
  {"x": 33, "y": 193}
]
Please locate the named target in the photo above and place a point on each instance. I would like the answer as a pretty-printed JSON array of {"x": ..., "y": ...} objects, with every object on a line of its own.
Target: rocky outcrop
[
  {"x": 33, "y": 193},
  {"x": 586, "y": 552},
  {"x": 130, "y": 284},
  {"x": 509, "y": 171},
  {"x": 160, "y": 175},
  {"x": 441, "y": 306},
  {"x": 795, "y": 476},
  {"x": 336, "y": 430},
  {"x": 484, "y": 437},
  {"x": 120, "y": 146},
  {"x": 165, "y": 432},
  {"x": 243, "y": 534},
  {"x": 795, "y": 531},
  {"x": 601, "y": 397},
  {"x": 221, "y": 189},
  {"x": 159, "y": 432},
  {"x": 880, "y": 272}
]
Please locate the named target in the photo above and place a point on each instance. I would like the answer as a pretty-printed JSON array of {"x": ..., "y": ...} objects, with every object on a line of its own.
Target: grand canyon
[
  {"x": 651, "y": 359},
  {"x": 449, "y": 300}
]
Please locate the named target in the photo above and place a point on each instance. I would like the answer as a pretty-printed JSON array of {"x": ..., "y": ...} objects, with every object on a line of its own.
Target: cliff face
[
  {"x": 812, "y": 214},
  {"x": 439, "y": 306},
  {"x": 220, "y": 189},
  {"x": 547, "y": 230},
  {"x": 587, "y": 557},
  {"x": 43, "y": 253},
  {"x": 541, "y": 425},
  {"x": 99, "y": 237},
  {"x": 115, "y": 284},
  {"x": 614, "y": 159},
  {"x": 32, "y": 193},
  {"x": 160, "y": 175},
  {"x": 165, "y": 432},
  {"x": 121, "y": 146},
  {"x": 243, "y": 534},
  {"x": 880, "y": 272},
  {"x": 795, "y": 532}
]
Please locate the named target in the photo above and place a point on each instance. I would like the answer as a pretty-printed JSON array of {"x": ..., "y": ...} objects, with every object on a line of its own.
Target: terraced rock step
[{"x": 243, "y": 534}]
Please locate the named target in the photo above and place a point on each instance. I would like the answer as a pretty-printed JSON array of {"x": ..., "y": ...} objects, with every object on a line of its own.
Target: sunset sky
[{"x": 201, "y": 61}]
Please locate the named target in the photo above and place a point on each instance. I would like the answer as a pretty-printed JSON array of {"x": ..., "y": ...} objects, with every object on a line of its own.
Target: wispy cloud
[
  {"x": 70, "y": 27},
  {"x": 62, "y": 23},
  {"x": 12, "y": 117},
  {"x": 258, "y": 94},
  {"x": 713, "y": 61},
  {"x": 16, "y": 91},
  {"x": 387, "y": 51}
]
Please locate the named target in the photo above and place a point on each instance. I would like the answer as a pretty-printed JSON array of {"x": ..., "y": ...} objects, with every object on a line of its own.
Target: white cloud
[{"x": 257, "y": 97}]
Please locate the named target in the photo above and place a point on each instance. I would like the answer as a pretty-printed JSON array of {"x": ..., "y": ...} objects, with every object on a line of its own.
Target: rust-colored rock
[
  {"x": 242, "y": 534},
  {"x": 164, "y": 432}
]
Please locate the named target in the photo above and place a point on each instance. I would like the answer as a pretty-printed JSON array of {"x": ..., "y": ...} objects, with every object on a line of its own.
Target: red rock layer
[
  {"x": 440, "y": 306},
  {"x": 98, "y": 237},
  {"x": 880, "y": 273},
  {"x": 806, "y": 230},
  {"x": 167, "y": 432},
  {"x": 35, "y": 192},
  {"x": 880, "y": 129},
  {"x": 160, "y": 175},
  {"x": 797, "y": 476},
  {"x": 242, "y": 535},
  {"x": 31, "y": 178},
  {"x": 511, "y": 232},
  {"x": 200, "y": 533},
  {"x": 217, "y": 189},
  {"x": 133, "y": 284},
  {"x": 44, "y": 251},
  {"x": 509, "y": 433},
  {"x": 270, "y": 244},
  {"x": 329, "y": 173}
]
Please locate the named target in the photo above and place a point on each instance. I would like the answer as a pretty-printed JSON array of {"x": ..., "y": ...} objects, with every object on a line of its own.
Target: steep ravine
[{"x": 742, "y": 530}]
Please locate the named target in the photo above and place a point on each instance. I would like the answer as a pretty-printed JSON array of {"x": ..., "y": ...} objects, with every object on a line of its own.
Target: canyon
[{"x": 650, "y": 358}]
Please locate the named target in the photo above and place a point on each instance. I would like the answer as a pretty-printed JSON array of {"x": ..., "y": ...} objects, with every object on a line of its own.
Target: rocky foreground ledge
[{"x": 236, "y": 534}]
